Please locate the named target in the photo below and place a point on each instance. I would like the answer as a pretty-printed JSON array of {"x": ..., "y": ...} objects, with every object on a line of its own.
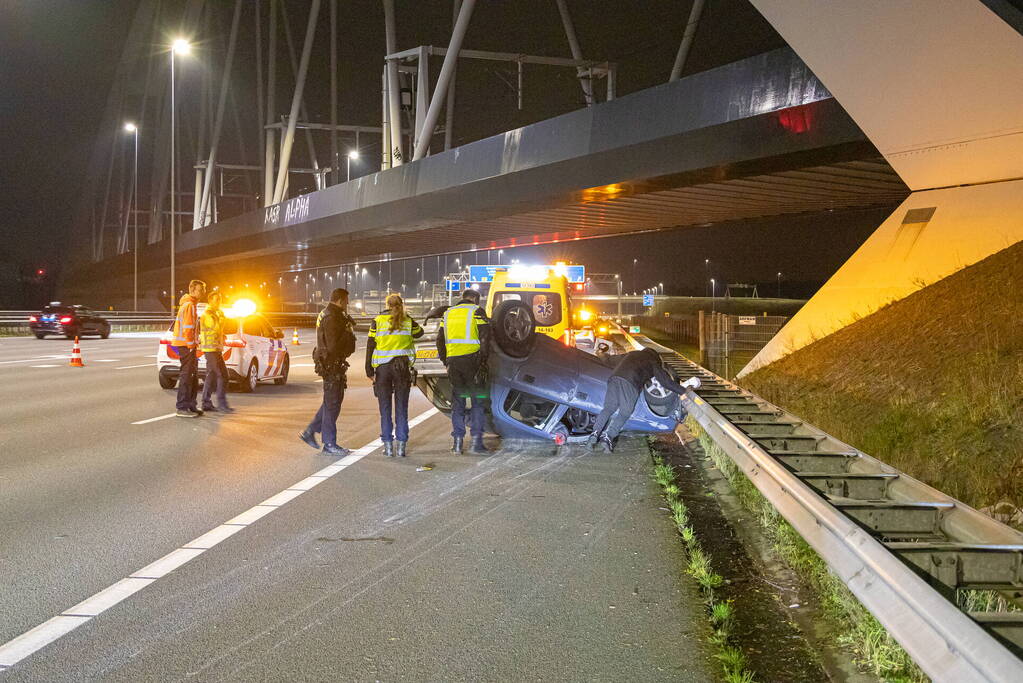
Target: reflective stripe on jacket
[
  {"x": 211, "y": 332},
  {"x": 185, "y": 321},
  {"x": 391, "y": 344},
  {"x": 461, "y": 330}
]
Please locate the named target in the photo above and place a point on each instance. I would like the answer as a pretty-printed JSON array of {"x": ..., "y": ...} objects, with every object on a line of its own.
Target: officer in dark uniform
[{"x": 335, "y": 342}]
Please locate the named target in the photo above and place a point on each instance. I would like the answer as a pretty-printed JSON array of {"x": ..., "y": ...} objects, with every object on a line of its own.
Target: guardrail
[
  {"x": 904, "y": 549},
  {"x": 17, "y": 321}
]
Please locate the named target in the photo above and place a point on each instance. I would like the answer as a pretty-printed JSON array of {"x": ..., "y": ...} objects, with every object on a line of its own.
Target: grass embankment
[
  {"x": 931, "y": 384},
  {"x": 719, "y": 612},
  {"x": 872, "y": 647}
]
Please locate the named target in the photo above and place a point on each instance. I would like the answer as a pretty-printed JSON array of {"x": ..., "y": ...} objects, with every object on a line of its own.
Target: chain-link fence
[
  {"x": 680, "y": 328},
  {"x": 731, "y": 341}
]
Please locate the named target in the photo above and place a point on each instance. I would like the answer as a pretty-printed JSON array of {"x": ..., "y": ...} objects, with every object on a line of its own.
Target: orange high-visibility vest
[{"x": 184, "y": 323}]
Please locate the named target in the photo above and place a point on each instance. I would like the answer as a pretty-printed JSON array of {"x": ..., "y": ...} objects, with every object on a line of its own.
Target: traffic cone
[
  {"x": 294, "y": 339},
  {"x": 76, "y": 355}
]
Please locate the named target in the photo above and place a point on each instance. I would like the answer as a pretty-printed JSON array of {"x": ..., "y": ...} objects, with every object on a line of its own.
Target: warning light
[
  {"x": 579, "y": 287},
  {"x": 40, "y": 271},
  {"x": 241, "y": 308},
  {"x": 584, "y": 315}
]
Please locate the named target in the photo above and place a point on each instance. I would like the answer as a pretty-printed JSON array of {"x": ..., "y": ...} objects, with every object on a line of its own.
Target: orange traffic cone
[
  {"x": 294, "y": 339},
  {"x": 76, "y": 355}
]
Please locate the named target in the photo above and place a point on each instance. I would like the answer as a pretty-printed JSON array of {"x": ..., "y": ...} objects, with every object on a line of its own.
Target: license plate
[{"x": 426, "y": 353}]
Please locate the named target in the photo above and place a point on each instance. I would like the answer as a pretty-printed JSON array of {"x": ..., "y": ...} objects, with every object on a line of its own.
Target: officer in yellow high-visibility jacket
[
  {"x": 390, "y": 353},
  {"x": 462, "y": 343},
  {"x": 211, "y": 344}
]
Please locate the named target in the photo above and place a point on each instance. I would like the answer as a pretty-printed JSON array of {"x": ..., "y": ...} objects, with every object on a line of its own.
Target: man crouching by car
[{"x": 635, "y": 369}]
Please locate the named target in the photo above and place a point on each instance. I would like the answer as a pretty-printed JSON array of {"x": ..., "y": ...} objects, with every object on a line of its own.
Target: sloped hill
[{"x": 931, "y": 384}]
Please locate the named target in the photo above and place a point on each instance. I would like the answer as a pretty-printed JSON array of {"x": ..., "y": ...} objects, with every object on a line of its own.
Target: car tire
[
  {"x": 40, "y": 335},
  {"x": 283, "y": 379},
  {"x": 513, "y": 328},
  {"x": 105, "y": 332},
  {"x": 166, "y": 381},
  {"x": 251, "y": 379}
]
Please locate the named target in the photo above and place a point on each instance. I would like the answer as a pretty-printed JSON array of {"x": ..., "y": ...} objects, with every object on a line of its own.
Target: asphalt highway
[{"x": 137, "y": 546}]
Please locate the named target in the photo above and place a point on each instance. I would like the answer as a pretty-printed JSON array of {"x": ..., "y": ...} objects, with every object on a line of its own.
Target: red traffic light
[{"x": 40, "y": 271}]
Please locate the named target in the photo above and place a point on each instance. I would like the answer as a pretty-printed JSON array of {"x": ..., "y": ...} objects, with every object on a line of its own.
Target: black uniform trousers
[
  {"x": 462, "y": 371},
  {"x": 619, "y": 402}
]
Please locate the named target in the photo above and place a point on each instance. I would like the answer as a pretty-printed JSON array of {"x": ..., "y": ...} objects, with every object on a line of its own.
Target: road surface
[{"x": 139, "y": 546}]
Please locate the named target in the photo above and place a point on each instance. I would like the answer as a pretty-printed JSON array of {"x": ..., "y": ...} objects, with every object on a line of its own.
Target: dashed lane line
[
  {"x": 47, "y": 632},
  {"x": 44, "y": 366},
  {"x": 129, "y": 367},
  {"x": 154, "y": 419}
]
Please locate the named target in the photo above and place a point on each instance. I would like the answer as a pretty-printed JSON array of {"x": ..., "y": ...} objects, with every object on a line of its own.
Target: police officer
[
  {"x": 211, "y": 344},
  {"x": 335, "y": 342},
  {"x": 462, "y": 347},
  {"x": 390, "y": 353},
  {"x": 185, "y": 342}
]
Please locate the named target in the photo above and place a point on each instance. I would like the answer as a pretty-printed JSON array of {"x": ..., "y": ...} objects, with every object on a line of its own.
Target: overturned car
[{"x": 539, "y": 387}]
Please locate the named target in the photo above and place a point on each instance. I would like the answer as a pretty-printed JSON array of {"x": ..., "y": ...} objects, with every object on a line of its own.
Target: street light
[
  {"x": 706, "y": 264},
  {"x": 779, "y": 285},
  {"x": 354, "y": 154},
  {"x": 180, "y": 46},
  {"x": 134, "y": 208},
  {"x": 712, "y": 294},
  {"x": 500, "y": 253},
  {"x": 661, "y": 285}
]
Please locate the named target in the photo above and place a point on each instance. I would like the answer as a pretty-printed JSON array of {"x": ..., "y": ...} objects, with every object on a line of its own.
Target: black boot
[
  {"x": 606, "y": 443},
  {"x": 478, "y": 446},
  {"x": 401, "y": 448},
  {"x": 388, "y": 449},
  {"x": 456, "y": 446}
]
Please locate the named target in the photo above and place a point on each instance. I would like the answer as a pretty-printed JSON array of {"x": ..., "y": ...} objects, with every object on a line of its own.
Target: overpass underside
[{"x": 756, "y": 138}]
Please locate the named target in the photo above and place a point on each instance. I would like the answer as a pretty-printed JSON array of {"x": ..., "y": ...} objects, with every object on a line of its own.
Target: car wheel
[
  {"x": 167, "y": 382},
  {"x": 283, "y": 379},
  {"x": 560, "y": 435},
  {"x": 39, "y": 335},
  {"x": 251, "y": 378},
  {"x": 660, "y": 401},
  {"x": 513, "y": 325},
  {"x": 105, "y": 332}
]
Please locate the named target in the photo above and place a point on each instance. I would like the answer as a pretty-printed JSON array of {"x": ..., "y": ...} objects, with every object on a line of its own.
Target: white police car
[{"x": 254, "y": 351}]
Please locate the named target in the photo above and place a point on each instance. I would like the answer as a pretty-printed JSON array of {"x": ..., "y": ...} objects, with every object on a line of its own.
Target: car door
[
  {"x": 275, "y": 351},
  {"x": 86, "y": 322}
]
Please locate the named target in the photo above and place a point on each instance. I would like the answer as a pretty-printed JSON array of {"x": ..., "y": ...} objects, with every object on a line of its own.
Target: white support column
[
  {"x": 197, "y": 199},
  {"x": 687, "y": 40},
  {"x": 422, "y": 93},
  {"x": 202, "y": 219},
  {"x": 334, "y": 172},
  {"x": 446, "y": 71},
  {"x": 393, "y": 85},
  {"x": 385, "y": 126},
  {"x": 271, "y": 103},
  {"x": 296, "y": 100},
  {"x": 585, "y": 78},
  {"x": 449, "y": 108}
]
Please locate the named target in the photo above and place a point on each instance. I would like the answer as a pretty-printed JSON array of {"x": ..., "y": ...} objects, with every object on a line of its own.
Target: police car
[{"x": 254, "y": 350}]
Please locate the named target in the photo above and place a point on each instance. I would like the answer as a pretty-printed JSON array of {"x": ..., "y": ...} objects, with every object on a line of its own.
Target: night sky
[{"x": 59, "y": 59}]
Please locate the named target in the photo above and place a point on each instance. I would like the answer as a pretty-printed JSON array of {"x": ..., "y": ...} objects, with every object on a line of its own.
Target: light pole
[
  {"x": 500, "y": 253},
  {"x": 134, "y": 208},
  {"x": 661, "y": 285},
  {"x": 354, "y": 154},
  {"x": 180, "y": 46},
  {"x": 779, "y": 285},
  {"x": 712, "y": 295},
  {"x": 634, "y": 262},
  {"x": 706, "y": 265}
]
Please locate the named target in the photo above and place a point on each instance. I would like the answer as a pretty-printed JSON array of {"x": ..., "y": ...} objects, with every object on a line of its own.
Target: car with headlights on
[{"x": 69, "y": 321}]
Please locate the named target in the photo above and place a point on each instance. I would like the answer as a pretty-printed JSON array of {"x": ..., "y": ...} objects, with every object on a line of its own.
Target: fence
[
  {"x": 16, "y": 322},
  {"x": 731, "y": 341},
  {"x": 726, "y": 342}
]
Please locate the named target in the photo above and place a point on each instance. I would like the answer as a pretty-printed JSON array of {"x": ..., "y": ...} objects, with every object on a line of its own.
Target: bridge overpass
[{"x": 756, "y": 138}]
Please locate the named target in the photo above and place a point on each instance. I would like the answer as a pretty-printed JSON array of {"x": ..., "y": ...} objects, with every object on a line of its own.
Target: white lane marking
[
  {"x": 215, "y": 536},
  {"x": 107, "y": 598},
  {"x": 42, "y": 635},
  {"x": 109, "y": 360},
  {"x": 44, "y": 366},
  {"x": 168, "y": 563},
  {"x": 39, "y": 637},
  {"x": 129, "y": 367},
  {"x": 153, "y": 356},
  {"x": 30, "y": 360},
  {"x": 154, "y": 419}
]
